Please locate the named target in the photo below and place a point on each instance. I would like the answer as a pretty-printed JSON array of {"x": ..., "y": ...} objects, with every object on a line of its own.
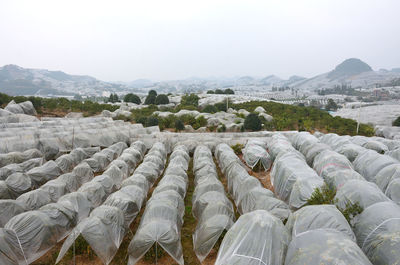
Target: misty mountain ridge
[{"x": 16, "y": 80}]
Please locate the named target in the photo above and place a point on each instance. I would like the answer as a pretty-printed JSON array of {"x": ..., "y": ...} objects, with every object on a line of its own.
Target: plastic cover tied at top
[
  {"x": 163, "y": 217},
  {"x": 255, "y": 152},
  {"x": 256, "y": 238},
  {"x": 212, "y": 209},
  {"x": 293, "y": 180}
]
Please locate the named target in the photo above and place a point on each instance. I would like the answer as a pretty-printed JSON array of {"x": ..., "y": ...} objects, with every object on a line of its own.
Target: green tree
[
  {"x": 179, "y": 125},
  {"x": 229, "y": 91},
  {"x": 113, "y": 98},
  {"x": 252, "y": 122},
  {"x": 132, "y": 98},
  {"x": 210, "y": 109},
  {"x": 152, "y": 92},
  {"x": 151, "y": 121},
  {"x": 331, "y": 105},
  {"x": 190, "y": 100},
  {"x": 210, "y": 92},
  {"x": 150, "y": 99},
  {"x": 219, "y": 91},
  {"x": 396, "y": 122},
  {"x": 161, "y": 99}
]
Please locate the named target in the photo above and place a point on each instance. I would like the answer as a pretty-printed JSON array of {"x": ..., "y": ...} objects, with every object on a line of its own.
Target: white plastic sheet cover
[
  {"x": 10, "y": 208},
  {"x": 35, "y": 199},
  {"x": 78, "y": 203},
  {"x": 370, "y": 163},
  {"x": 19, "y": 168},
  {"x": 19, "y": 157},
  {"x": 293, "y": 180},
  {"x": 313, "y": 217},
  {"x": 259, "y": 198},
  {"x": 324, "y": 246},
  {"x": 48, "y": 171},
  {"x": 394, "y": 153},
  {"x": 104, "y": 230},
  {"x": 256, "y": 238},
  {"x": 8, "y": 253},
  {"x": 359, "y": 191},
  {"x": 162, "y": 219},
  {"x": 351, "y": 151},
  {"x": 335, "y": 169},
  {"x": 279, "y": 144},
  {"x": 255, "y": 152},
  {"x": 36, "y": 233},
  {"x": 226, "y": 157},
  {"x": 377, "y": 230},
  {"x": 18, "y": 184},
  {"x": 66, "y": 163},
  {"x": 388, "y": 180}
]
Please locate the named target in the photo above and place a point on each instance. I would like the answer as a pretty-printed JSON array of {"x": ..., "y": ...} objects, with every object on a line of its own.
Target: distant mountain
[
  {"x": 349, "y": 68},
  {"x": 352, "y": 72},
  {"x": 15, "y": 80},
  {"x": 139, "y": 83},
  {"x": 270, "y": 80}
]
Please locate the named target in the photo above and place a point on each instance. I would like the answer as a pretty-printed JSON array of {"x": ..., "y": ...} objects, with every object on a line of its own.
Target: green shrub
[
  {"x": 210, "y": 92},
  {"x": 222, "y": 128},
  {"x": 152, "y": 92},
  {"x": 323, "y": 195},
  {"x": 210, "y": 109},
  {"x": 221, "y": 106},
  {"x": 218, "y": 91},
  {"x": 351, "y": 210},
  {"x": 229, "y": 91},
  {"x": 150, "y": 99},
  {"x": 132, "y": 98},
  {"x": 179, "y": 126},
  {"x": 151, "y": 121},
  {"x": 161, "y": 99},
  {"x": 237, "y": 148},
  {"x": 200, "y": 122},
  {"x": 396, "y": 122},
  {"x": 252, "y": 122},
  {"x": 190, "y": 100}
]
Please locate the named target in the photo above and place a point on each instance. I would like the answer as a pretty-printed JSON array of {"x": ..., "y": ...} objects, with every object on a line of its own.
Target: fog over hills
[{"x": 15, "y": 80}]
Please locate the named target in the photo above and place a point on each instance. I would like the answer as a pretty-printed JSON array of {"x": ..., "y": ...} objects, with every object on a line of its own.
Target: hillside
[{"x": 16, "y": 80}]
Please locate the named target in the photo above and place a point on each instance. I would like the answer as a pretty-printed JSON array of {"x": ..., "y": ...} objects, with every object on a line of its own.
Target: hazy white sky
[{"x": 173, "y": 39}]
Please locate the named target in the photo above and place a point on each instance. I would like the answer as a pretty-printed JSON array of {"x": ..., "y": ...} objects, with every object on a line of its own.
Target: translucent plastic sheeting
[
  {"x": 279, "y": 144},
  {"x": 314, "y": 217},
  {"x": 40, "y": 175},
  {"x": 104, "y": 231},
  {"x": 256, "y": 238},
  {"x": 293, "y": 180},
  {"x": 19, "y": 168},
  {"x": 259, "y": 198},
  {"x": 324, "y": 246},
  {"x": 313, "y": 151},
  {"x": 303, "y": 139},
  {"x": 334, "y": 140},
  {"x": 17, "y": 184},
  {"x": 66, "y": 163},
  {"x": 253, "y": 153},
  {"x": 36, "y": 232},
  {"x": 394, "y": 153},
  {"x": 377, "y": 230},
  {"x": 370, "y": 163},
  {"x": 226, "y": 157},
  {"x": 359, "y": 191},
  {"x": 335, "y": 169},
  {"x": 9, "y": 209},
  {"x": 388, "y": 180},
  {"x": 376, "y": 146},
  {"x": 19, "y": 157},
  {"x": 162, "y": 219},
  {"x": 351, "y": 151}
]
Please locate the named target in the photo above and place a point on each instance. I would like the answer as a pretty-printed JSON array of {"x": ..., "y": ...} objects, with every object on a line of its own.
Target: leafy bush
[
  {"x": 190, "y": 100},
  {"x": 161, "y": 99},
  {"x": 179, "y": 126},
  {"x": 351, "y": 210},
  {"x": 151, "y": 121},
  {"x": 150, "y": 99},
  {"x": 219, "y": 91},
  {"x": 252, "y": 122},
  {"x": 221, "y": 106},
  {"x": 237, "y": 148},
  {"x": 152, "y": 92},
  {"x": 113, "y": 98},
  {"x": 210, "y": 109},
  {"x": 396, "y": 122},
  {"x": 229, "y": 91},
  {"x": 199, "y": 122},
  {"x": 133, "y": 98},
  {"x": 210, "y": 92},
  {"x": 323, "y": 195},
  {"x": 222, "y": 128}
]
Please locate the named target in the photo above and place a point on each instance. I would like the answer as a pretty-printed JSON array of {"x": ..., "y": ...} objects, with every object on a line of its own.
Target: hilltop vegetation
[{"x": 285, "y": 117}]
